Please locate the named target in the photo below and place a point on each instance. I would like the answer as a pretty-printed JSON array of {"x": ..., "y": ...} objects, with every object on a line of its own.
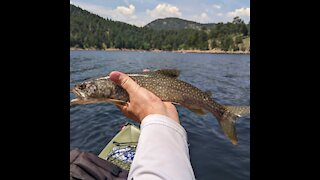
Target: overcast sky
[{"x": 141, "y": 12}]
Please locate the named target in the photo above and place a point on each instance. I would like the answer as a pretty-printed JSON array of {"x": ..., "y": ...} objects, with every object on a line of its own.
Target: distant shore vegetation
[{"x": 89, "y": 31}]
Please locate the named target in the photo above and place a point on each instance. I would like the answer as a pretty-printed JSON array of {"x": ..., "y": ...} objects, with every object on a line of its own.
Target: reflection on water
[{"x": 226, "y": 76}]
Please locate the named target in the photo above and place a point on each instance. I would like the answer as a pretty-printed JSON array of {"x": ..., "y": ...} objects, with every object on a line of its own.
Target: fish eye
[{"x": 82, "y": 86}]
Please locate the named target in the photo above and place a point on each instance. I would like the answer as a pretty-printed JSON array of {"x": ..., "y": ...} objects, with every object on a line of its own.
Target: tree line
[{"x": 88, "y": 30}]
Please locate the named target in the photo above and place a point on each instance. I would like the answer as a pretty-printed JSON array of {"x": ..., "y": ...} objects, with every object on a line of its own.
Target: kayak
[{"x": 121, "y": 149}]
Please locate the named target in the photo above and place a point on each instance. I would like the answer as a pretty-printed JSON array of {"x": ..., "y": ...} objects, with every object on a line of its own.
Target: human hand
[{"x": 142, "y": 102}]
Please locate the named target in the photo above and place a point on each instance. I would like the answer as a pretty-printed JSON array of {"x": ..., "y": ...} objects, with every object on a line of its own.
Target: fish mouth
[
  {"x": 75, "y": 92},
  {"x": 79, "y": 97},
  {"x": 78, "y": 93},
  {"x": 74, "y": 101}
]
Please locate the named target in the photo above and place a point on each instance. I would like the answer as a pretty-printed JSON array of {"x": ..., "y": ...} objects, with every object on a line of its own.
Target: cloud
[
  {"x": 125, "y": 14},
  {"x": 217, "y": 6},
  {"x": 120, "y": 13},
  {"x": 125, "y": 10},
  {"x": 204, "y": 15},
  {"x": 200, "y": 18},
  {"x": 220, "y": 14},
  {"x": 204, "y": 18},
  {"x": 239, "y": 12},
  {"x": 164, "y": 10}
]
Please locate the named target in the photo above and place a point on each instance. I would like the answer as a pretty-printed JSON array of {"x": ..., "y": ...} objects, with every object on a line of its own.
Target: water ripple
[{"x": 226, "y": 76}]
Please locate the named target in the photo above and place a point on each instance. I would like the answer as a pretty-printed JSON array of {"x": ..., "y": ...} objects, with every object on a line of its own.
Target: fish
[{"x": 165, "y": 84}]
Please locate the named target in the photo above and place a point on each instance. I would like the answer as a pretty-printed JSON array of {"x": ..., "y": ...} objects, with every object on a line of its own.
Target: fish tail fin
[{"x": 228, "y": 119}]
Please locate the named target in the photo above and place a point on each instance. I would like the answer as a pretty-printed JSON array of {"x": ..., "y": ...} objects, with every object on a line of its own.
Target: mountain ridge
[
  {"x": 90, "y": 31},
  {"x": 174, "y": 23}
]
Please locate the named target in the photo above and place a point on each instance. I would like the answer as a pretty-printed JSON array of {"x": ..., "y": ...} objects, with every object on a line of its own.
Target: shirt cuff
[{"x": 158, "y": 119}]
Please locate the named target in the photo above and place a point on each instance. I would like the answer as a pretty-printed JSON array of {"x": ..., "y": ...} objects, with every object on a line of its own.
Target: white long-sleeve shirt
[{"x": 162, "y": 151}]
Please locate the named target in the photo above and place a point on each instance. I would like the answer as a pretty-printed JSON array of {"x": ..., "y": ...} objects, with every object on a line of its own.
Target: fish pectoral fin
[
  {"x": 78, "y": 101},
  {"x": 175, "y": 103},
  {"x": 198, "y": 111},
  {"x": 239, "y": 111},
  {"x": 174, "y": 73},
  {"x": 74, "y": 102},
  {"x": 117, "y": 102}
]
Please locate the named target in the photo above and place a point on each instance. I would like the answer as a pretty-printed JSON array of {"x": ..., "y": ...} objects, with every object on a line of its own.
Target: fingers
[
  {"x": 142, "y": 102},
  {"x": 124, "y": 81},
  {"x": 123, "y": 109}
]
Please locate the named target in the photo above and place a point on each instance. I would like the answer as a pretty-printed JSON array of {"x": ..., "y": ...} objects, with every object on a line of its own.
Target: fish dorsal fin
[
  {"x": 239, "y": 111},
  {"x": 198, "y": 111},
  {"x": 174, "y": 73}
]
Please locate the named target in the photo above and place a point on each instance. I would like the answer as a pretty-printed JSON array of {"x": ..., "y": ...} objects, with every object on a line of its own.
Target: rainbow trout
[{"x": 165, "y": 85}]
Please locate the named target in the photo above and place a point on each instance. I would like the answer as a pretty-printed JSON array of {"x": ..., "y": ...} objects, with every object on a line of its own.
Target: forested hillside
[{"x": 88, "y": 30}]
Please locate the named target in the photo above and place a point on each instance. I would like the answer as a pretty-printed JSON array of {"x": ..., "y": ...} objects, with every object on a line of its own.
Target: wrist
[
  {"x": 157, "y": 116},
  {"x": 162, "y": 120}
]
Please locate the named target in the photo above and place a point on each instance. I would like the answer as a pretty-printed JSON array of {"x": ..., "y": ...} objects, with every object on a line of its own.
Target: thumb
[{"x": 124, "y": 81}]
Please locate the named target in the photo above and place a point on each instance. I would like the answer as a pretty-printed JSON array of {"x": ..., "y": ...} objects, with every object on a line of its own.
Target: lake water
[{"x": 226, "y": 76}]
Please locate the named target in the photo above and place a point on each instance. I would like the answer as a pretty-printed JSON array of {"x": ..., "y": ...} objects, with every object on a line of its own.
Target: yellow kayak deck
[{"x": 127, "y": 137}]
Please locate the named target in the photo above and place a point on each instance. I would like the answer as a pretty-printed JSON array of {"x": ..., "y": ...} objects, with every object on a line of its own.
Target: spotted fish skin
[{"x": 165, "y": 85}]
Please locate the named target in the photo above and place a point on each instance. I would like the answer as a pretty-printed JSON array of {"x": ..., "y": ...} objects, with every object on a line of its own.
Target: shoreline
[{"x": 211, "y": 51}]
